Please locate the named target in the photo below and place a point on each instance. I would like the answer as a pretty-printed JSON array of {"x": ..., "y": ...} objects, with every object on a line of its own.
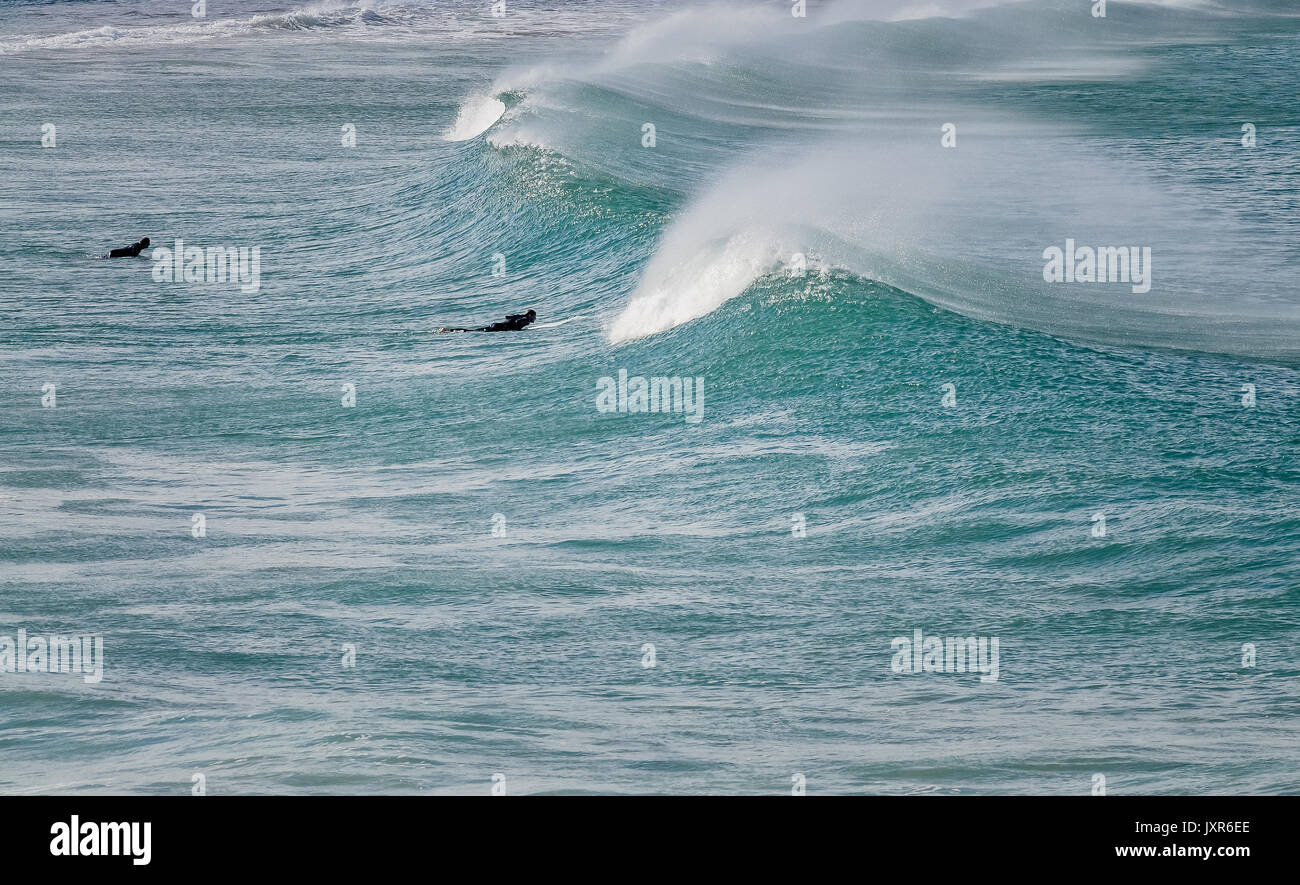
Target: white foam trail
[
  {"x": 476, "y": 117},
  {"x": 557, "y": 323}
]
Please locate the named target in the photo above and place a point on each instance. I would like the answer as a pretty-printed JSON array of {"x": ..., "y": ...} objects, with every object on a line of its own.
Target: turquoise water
[{"x": 522, "y": 651}]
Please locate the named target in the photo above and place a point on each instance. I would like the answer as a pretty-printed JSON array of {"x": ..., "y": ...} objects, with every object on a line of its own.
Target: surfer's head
[
  {"x": 531, "y": 314},
  {"x": 144, "y": 242}
]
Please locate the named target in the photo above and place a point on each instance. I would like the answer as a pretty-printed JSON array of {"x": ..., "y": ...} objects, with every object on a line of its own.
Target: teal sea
[{"x": 328, "y": 550}]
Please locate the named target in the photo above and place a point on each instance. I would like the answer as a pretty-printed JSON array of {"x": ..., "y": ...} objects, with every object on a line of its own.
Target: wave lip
[
  {"x": 476, "y": 116},
  {"x": 684, "y": 282}
]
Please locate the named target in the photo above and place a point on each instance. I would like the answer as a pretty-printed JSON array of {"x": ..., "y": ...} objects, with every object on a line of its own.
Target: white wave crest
[{"x": 476, "y": 117}]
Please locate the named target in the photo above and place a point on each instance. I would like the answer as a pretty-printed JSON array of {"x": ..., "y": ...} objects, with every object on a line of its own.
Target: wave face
[{"x": 888, "y": 441}]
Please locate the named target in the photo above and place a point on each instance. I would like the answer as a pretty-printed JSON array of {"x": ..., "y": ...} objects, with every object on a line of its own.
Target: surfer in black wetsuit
[
  {"x": 132, "y": 250},
  {"x": 513, "y": 323}
]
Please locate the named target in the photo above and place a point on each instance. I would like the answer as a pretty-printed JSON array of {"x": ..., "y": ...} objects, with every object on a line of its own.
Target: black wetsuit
[
  {"x": 130, "y": 251},
  {"x": 513, "y": 323}
]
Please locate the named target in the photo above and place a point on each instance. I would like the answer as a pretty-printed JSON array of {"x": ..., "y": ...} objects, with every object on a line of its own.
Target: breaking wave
[{"x": 822, "y": 141}]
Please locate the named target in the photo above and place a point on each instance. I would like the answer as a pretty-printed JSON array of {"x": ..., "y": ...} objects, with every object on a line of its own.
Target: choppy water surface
[{"x": 498, "y": 550}]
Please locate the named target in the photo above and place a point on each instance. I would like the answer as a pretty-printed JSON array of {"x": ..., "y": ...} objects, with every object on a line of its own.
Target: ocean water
[{"x": 426, "y": 560}]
